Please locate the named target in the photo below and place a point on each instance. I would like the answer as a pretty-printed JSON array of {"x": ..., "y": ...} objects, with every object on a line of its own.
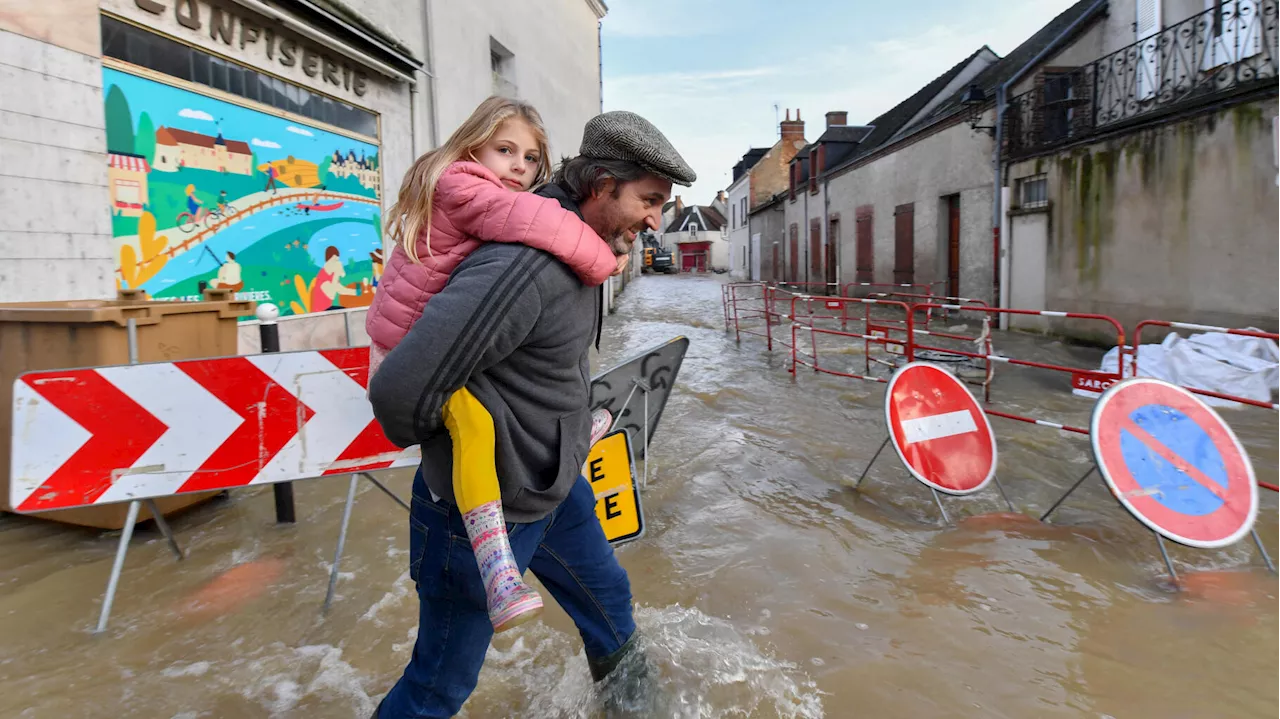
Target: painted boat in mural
[{"x": 325, "y": 207}]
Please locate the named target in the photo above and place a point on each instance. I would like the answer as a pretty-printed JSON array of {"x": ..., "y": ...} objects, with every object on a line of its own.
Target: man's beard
[{"x": 620, "y": 244}]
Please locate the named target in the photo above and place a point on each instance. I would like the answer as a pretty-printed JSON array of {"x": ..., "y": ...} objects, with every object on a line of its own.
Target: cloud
[
  {"x": 300, "y": 131},
  {"x": 664, "y": 18},
  {"x": 264, "y": 143},
  {"x": 195, "y": 114},
  {"x": 713, "y": 118}
]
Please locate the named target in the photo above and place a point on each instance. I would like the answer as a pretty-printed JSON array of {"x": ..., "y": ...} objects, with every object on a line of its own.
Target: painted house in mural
[
  {"x": 127, "y": 183},
  {"x": 176, "y": 149}
]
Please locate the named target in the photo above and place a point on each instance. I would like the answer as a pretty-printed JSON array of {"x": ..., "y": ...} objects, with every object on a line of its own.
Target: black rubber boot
[{"x": 627, "y": 682}]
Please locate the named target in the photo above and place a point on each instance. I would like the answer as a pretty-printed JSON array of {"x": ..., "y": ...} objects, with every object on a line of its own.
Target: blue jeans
[{"x": 567, "y": 551}]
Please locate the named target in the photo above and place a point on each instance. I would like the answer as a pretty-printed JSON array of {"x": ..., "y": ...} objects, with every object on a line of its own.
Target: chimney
[
  {"x": 792, "y": 129},
  {"x": 720, "y": 197},
  {"x": 679, "y": 205},
  {"x": 837, "y": 117}
]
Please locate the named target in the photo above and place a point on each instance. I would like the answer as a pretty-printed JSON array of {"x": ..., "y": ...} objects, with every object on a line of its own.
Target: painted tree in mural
[
  {"x": 145, "y": 143},
  {"x": 119, "y": 122},
  {"x": 138, "y": 266},
  {"x": 323, "y": 170}
]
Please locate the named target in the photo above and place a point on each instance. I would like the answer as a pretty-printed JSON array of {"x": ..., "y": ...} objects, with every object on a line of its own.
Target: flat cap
[{"x": 622, "y": 135}]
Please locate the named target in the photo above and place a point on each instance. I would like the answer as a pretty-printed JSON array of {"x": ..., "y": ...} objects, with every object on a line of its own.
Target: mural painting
[{"x": 207, "y": 193}]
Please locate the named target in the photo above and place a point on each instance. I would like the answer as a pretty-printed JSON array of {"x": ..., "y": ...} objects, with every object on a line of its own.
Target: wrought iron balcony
[{"x": 1226, "y": 50}]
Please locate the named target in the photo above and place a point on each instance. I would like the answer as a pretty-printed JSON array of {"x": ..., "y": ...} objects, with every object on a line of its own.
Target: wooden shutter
[
  {"x": 793, "y": 264},
  {"x": 904, "y": 244},
  {"x": 815, "y": 249},
  {"x": 864, "y": 253}
]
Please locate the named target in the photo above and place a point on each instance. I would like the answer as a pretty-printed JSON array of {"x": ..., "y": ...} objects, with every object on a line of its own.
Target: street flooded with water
[{"x": 765, "y": 585}]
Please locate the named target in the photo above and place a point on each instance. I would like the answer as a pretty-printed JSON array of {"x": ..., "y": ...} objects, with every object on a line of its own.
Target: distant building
[{"x": 700, "y": 235}]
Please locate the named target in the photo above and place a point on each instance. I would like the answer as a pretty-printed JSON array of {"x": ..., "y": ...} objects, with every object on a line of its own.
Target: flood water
[{"x": 766, "y": 585}]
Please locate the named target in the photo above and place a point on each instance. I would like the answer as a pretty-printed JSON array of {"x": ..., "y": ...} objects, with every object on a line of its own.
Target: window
[
  {"x": 733, "y": 211},
  {"x": 1033, "y": 191},
  {"x": 502, "y": 63},
  {"x": 134, "y": 45},
  {"x": 1057, "y": 107},
  {"x": 743, "y": 212}
]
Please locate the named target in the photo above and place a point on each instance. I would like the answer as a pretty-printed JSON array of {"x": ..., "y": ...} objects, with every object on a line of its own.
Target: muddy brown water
[{"x": 768, "y": 587}]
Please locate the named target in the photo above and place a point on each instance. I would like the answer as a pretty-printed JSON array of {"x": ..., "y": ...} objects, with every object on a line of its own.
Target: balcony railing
[{"x": 1229, "y": 49}]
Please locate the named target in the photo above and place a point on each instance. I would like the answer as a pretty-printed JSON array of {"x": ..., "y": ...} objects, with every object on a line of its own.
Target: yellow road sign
[{"x": 613, "y": 479}]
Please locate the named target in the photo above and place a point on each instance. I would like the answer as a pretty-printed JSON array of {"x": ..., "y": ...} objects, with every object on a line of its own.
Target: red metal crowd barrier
[
  {"x": 738, "y": 307},
  {"x": 868, "y": 337},
  {"x": 1137, "y": 343},
  {"x": 990, "y": 357},
  {"x": 846, "y": 290},
  {"x": 804, "y": 310}
]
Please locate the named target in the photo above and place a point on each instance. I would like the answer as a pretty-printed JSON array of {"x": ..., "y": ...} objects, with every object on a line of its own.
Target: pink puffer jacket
[{"x": 471, "y": 205}]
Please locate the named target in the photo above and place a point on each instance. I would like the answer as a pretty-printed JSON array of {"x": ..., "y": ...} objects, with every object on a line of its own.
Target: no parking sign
[{"x": 1173, "y": 463}]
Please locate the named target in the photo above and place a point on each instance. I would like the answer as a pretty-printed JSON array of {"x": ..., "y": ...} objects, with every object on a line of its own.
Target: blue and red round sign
[{"x": 1174, "y": 463}]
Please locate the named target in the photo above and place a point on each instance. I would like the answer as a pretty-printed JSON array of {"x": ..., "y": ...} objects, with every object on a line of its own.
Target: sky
[{"x": 708, "y": 73}]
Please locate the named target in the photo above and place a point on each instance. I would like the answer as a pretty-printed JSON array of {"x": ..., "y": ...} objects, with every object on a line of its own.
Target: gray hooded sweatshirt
[{"x": 514, "y": 325}]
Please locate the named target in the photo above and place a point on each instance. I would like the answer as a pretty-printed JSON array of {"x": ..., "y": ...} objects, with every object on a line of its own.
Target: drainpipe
[
  {"x": 997, "y": 211},
  {"x": 433, "y": 116},
  {"x": 826, "y": 227}
]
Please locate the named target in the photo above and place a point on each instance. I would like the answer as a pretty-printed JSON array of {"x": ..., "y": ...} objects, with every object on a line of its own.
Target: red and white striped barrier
[{"x": 85, "y": 437}]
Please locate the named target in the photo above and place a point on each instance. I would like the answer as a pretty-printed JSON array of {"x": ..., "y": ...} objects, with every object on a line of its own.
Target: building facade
[
  {"x": 145, "y": 139},
  {"x": 744, "y": 255},
  {"x": 759, "y": 176},
  {"x": 699, "y": 236},
  {"x": 1141, "y": 166}
]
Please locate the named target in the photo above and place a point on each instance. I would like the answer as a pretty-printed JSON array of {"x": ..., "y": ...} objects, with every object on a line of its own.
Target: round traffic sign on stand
[
  {"x": 938, "y": 429},
  {"x": 1173, "y": 463}
]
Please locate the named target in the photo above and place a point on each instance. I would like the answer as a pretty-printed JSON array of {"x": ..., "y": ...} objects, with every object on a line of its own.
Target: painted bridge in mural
[{"x": 296, "y": 198}]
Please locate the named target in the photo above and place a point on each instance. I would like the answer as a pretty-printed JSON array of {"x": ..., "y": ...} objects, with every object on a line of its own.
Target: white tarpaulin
[{"x": 1241, "y": 366}]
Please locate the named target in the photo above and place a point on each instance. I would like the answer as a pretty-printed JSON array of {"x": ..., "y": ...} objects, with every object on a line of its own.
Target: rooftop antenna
[{"x": 775, "y": 119}]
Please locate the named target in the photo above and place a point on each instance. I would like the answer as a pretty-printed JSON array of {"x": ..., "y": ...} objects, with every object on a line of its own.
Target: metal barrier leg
[
  {"x": 130, "y": 519},
  {"x": 644, "y": 481},
  {"x": 342, "y": 541},
  {"x": 1063, "y": 498},
  {"x": 164, "y": 528},
  {"x": 387, "y": 491},
  {"x": 1266, "y": 558},
  {"x": 863, "y": 476},
  {"x": 941, "y": 508},
  {"x": 1167, "y": 562},
  {"x": 1002, "y": 494}
]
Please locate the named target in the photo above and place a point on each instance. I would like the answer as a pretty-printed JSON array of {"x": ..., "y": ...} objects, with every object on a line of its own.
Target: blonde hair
[{"x": 411, "y": 215}]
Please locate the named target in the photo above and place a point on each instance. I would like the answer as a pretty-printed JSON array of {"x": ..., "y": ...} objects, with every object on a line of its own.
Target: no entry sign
[
  {"x": 938, "y": 430},
  {"x": 1173, "y": 463}
]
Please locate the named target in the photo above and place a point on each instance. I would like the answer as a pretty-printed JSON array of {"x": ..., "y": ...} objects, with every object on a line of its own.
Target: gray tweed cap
[{"x": 622, "y": 135}]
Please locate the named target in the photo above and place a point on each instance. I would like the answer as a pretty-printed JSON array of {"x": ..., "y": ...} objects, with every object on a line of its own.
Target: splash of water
[{"x": 701, "y": 667}]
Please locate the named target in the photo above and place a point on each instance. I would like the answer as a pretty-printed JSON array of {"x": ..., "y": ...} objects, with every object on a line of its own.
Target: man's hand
[{"x": 623, "y": 261}]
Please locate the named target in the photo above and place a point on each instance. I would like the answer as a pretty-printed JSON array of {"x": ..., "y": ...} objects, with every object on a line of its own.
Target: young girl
[{"x": 472, "y": 189}]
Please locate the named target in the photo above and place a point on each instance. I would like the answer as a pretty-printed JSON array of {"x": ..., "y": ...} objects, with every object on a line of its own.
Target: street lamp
[{"x": 973, "y": 101}]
